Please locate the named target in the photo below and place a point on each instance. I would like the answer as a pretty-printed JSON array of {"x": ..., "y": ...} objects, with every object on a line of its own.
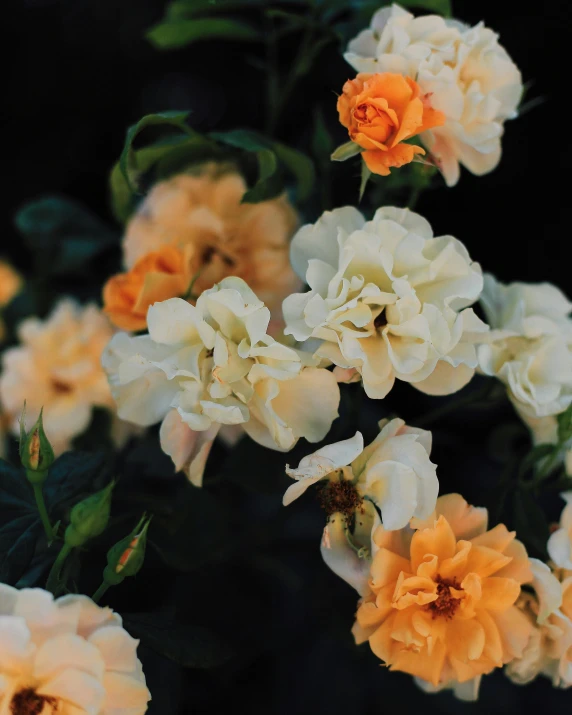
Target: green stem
[
  {"x": 413, "y": 198},
  {"x": 53, "y": 584},
  {"x": 101, "y": 591},
  {"x": 41, "y": 504}
]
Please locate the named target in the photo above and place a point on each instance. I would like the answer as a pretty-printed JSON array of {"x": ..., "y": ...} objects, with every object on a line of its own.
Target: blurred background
[{"x": 82, "y": 74}]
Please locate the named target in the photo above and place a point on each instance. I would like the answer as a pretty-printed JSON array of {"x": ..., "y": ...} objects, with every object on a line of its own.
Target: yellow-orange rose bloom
[
  {"x": 224, "y": 236},
  {"x": 442, "y": 597},
  {"x": 158, "y": 276},
  {"x": 380, "y": 111}
]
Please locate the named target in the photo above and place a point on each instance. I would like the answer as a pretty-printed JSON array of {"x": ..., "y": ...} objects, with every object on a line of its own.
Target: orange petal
[
  {"x": 421, "y": 664},
  {"x": 410, "y": 122},
  {"x": 438, "y": 540},
  {"x": 485, "y": 561},
  {"x": 465, "y": 639},
  {"x": 498, "y": 594},
  {"x": 386, "y": 567},
  {"x": 519, "y": 567},
  {"x": 498, "y": 538}
]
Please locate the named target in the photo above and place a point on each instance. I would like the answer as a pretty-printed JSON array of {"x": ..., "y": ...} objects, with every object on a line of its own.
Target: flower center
[
  {"x": 375, "y": 118},
  {"x": 61, "y": 387},
  {"x": 380, "y": 320},
  {"x": 445, "y": 605},
  {"x": 28, "y": 702},
  {"x": 210, "y": 251},
  {"x": 339, "y": 496}
]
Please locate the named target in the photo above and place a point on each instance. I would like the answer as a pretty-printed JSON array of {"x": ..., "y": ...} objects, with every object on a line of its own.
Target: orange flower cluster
[{"x": 380, "y": 112}]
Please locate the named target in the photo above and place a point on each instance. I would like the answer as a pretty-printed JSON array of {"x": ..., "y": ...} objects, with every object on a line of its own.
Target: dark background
[{"x": 80, "y": 75}]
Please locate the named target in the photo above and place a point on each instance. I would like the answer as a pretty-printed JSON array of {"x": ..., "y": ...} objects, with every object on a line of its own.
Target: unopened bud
[
  {"x": 36, "y": 453},
  {"x": 89, "y": 517},
  {"x": 127, "y": 556}
]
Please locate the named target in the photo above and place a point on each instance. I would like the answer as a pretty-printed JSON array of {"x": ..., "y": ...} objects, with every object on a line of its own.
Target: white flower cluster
[
  {"x": 214, "y": 364},
  {"x": 464, "y": 71},
  {"x": 387, "y": 299},
  {"x": 530, "y": 350}
]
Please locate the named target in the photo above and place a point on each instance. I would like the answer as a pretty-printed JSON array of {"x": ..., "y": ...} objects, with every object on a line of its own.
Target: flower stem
[
  {"x": 41, "y": 504},
  {"x": 53, "y": 583},
  {"x": 101, "y": 591}
]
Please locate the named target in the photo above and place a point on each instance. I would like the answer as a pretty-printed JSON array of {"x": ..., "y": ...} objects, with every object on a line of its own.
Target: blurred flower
[
  {"x": 560, "y": 541},
  {"x": 214, "y": 364},
  {"x": 549, "y": 648},
  {"x": 66, "y": 656},
  {"x": 157, "y": 276},
  {"x": 469, "y": 77},
  {"x": 10, "y": 286},
  {"x": 529, "y": 349},
  {"x": 387, "y": 298},
  {"x": 394, "y": 472},
  {"x": 380, "y": 111},
  {"x": 227, "y": 237},
  {"x": 57, "y": 367},
  {"x": 441, "y": 596}
]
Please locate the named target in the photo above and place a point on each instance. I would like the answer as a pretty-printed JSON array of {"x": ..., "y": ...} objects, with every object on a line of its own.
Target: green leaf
[
  {"x": 301, "y": 166},
  {"x": 440, "y": 7},
  {"x": 20, "y": 525},
  {"x": 63, "y": 236},
  {"x": 165, "y": 158},
  {"x": 170, "y": 34},
  {"x": 346, "y": 151},
  {"x": 188, "y": 645},
  {"x": 128, "y": 158},
  {"x": 565, "y": 425},
  {"x": 365, "y": 176},
  {"x": 321, "y": 139},
  {"x": 71, "y": 477},
  {"x": 267, "y": 165}
]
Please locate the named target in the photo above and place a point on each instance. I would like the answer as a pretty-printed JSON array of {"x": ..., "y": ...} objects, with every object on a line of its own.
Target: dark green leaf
[
  {"x": 322, "y": 142},
  {"x": 170, "y": 34},
  {"x": 128, "y": 158},
  {"x": 267, "y": 165},
  {"x": 188, "y": 645},
  {"x": 365, "y": 176},
  {"x": 62, "y": 235},
  {"x": 20, "y": 526},
  {"x": 440, "y": 7},
  {"x": 300, "y": 166},
  {"x": 165, "y": 158},
  {"x": 71, "y": 477},
  {"x": 565, "y": 425}
]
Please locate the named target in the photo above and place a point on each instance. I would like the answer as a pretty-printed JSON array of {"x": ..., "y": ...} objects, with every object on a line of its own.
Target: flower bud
[
  {"x": 36, "y": 453},
  {"x": 127, "y": 556},
  {"x": 89, "y": 517}
]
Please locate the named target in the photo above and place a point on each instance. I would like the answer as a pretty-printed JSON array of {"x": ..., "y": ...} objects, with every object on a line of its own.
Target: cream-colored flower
[
  {"x": 394, "y": 472},
  {"x": 549, "y": 649},
  {"x": 560, "y": 542},
  {"x": 529, "y": 348},
  {"x": 388, "y": 299},
  {"x": 58, "y": 367},
  {"x": 464, "y": 71},
  {"x": 230, "y": 238},
  {"x": 66, "y": 656},
  {"x": 214, "y": 364}
]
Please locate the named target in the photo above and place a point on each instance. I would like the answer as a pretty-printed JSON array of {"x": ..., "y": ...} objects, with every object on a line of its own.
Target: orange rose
[
  {"x": 156, "y": 277},
  {"x": 442, "y": 598},
  {"x": 382, "y": 110}
]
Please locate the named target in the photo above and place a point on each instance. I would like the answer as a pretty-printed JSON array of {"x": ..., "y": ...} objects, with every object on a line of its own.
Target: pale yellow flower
[{"x": 66, "y": 656}]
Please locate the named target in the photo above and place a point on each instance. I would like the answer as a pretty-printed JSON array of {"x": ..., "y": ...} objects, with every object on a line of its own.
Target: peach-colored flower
[
  {"x": 10, "y": 283},
  {"x": 441, "y": 601},
  {"x": 57, "y": 366},
  {"x": 156, "y": 277},
  {"x": 227, "y": 237},
  {"x": 380, "y": 112},
  {"x": 66, "y": 657}
]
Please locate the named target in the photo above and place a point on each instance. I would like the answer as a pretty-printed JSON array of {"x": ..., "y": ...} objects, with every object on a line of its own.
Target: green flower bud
[
  {"x": 36, "y": 453},
  {"x": 89, "y": 517},
  {"x": 127, "y": 556}
]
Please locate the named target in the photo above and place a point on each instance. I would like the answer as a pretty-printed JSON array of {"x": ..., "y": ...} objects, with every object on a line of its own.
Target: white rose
[
  {"x": 560, "y": 542},
  {"x": 394, "y": 472},
  {"x": 529, "y": 348},
  {"x": 214, "y": 364},
  {"x": 549, "y": 611},
  {"x": 67, "y": 656},
  {"x": 468, "y": 75},
  {"x": 388, "y": 299}
]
